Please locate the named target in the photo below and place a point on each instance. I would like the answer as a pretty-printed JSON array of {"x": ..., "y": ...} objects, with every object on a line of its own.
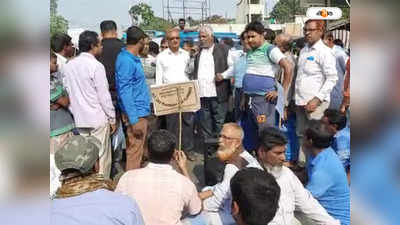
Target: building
[{"x": 250, "y": 10}]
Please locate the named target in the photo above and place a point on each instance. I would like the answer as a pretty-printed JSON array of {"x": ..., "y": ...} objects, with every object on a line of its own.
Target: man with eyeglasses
[
  {"x": 316, "y": 77},
  {"x": 217, "y": 199},
  {"x": 163, "y": 44},
  {"x": 172, "y": 66}
]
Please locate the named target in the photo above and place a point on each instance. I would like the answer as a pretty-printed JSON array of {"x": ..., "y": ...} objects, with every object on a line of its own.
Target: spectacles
[
  {"x": 226, "y": 137},
  {"x": 174, "y": 38},
  {"x": 311, "y": 30}
]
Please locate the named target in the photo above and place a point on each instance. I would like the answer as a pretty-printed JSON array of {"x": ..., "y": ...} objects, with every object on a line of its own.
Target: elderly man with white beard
[
  {"x": 217, "y": 199},
  {"x": 294, "y": 197}
]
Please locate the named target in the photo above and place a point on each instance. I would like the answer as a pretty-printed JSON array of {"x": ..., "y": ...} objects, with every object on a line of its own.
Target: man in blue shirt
[
  {"x": 327, "y": 178},
  {"x": 86, "y": 197},
  {"x": 133, "y": 96},
  {"x": 337, "y": 123}
]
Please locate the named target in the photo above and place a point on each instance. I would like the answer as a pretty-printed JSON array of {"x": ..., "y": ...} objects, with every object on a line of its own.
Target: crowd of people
[{"x": 279, "y": 110}]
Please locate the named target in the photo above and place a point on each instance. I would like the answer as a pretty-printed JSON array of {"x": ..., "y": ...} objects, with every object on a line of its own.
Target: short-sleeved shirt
[
  {"x": 328, "y": 184},
  {"x": 97, "y": 207},
  {"x": 163, "y": 195},
  {"x": 262, "y": 65},
  {"x": 61, "y": 120}
]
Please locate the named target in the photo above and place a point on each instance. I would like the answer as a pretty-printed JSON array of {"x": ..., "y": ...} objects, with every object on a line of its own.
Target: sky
[{"x": 88, "y": 14}]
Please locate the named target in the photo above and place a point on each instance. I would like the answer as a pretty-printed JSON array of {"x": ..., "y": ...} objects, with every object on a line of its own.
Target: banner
[{"x": 167, "y": 99}]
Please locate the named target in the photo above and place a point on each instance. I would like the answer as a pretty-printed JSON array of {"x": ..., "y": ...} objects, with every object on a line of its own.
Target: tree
[
  {"x": 58, "y": 24},
  {"x": 285, "y": 11},
  {"x": 157, "y": 23},
  {"x": 143, "y": 16}
]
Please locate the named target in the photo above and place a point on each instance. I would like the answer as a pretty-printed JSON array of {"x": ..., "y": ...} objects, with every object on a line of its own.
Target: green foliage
[
  {"x": 141, "y": 14},
  {"x": 157, "y": 23},
  {"x": 58, "y": 24},
  {"x": 285, "y": 11}
]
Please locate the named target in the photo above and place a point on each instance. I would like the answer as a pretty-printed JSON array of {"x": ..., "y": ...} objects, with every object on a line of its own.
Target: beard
[
  {"x": 276, "y": 171},
  {"x": 224, "y": 153}
]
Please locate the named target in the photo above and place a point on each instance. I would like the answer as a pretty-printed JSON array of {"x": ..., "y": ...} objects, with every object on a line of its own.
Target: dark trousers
[
  {"x": 237, "y": 112},
  {"x": 187, "y": 129},
  {"x": 211, "y": 116}
]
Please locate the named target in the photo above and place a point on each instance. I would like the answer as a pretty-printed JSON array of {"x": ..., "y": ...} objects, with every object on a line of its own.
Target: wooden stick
[{"x": 180, "y": 119}]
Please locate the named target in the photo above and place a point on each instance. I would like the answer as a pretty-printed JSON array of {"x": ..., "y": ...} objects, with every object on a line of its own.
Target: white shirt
[
  {"x": 172, "y": 67},
  {"x": 233, "y": 56},
  {"x": 316, "y": 73},
  {"x": 206, "y": 73},
  {"x": 222, "y": 197},
  {"x": 294, "y": 197},
  {"x": 61, "y": 61}
]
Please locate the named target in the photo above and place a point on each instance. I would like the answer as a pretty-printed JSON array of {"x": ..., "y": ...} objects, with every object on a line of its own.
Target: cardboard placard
[{"x": 166, "y": 98}]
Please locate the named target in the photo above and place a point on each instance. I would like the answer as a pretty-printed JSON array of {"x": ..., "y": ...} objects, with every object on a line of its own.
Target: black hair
[
  {"x": 182, "y": 19},
  {"x": 269, "y": 35},
  {"x": 189, "y": 42},
  {"x": 59, "y": 41},
  {"x": 153, "y": 48},
  {"x": 257, "y": 194},
  {"x": 134, "y": 34},
  {"x": 108, "y": 25},
  {"x": 319, "y": 134},
  {"x": 228, "y": 41},
  {"x": 87, "y": 39},
  {"x": 242, "y": 35},
  {"x": 328, "y": 35},
  {"x": 338, "y": 42},
  {"x": 163, "y": 40},
  {"x": 161, "y": 145},
  {"x": 255, "y": 26},
  {"x": 271, "y": 137},
  {"x": 335, "y": 117}
]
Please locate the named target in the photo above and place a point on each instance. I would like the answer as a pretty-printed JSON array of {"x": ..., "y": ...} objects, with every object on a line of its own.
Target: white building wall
[{"x": 244, "y": 10}]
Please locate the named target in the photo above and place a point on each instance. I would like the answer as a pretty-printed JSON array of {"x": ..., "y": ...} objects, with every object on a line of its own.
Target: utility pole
[{"x": 183, "y": 7}]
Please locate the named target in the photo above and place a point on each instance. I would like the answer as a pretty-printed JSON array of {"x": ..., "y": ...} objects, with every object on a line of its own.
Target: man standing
[
  {"x": 133, "y": 96},
  {"x": 217, "y": 199},
  {"x": 341, "y": 59},
  {"x": 316, "y": 77},
  {"x": 90, "y": 98},
  {"x": 327, "y": 178},
  {"x": 263, "y": 62},
  {"x": 237, "y": 61},
  {"x": 172, "y": 67},
  {"x": 111, "y": 48},
  {"x": 214, "y": 91},
  {"x": 62, "y": 46},
  {"x": 163, "y": 195},
  {"x": 294, "y": 197},
  {"x": 85, "y": 197},
  {"x": 255, "y": 197}
]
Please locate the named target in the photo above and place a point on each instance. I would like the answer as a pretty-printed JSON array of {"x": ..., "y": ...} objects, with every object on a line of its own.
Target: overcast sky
[{"x": 89, "y": 13}]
